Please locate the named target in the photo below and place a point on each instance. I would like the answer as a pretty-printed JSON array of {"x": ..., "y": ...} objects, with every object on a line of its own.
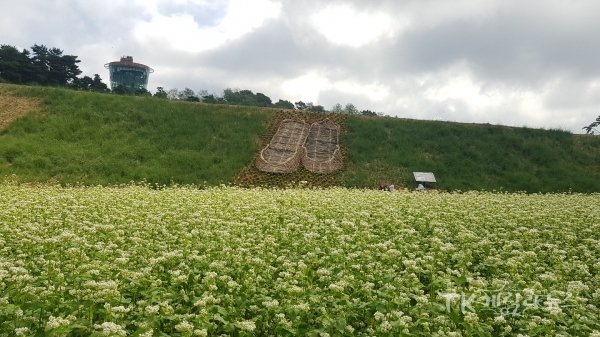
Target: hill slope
[
  {"x": 471, "y": 156},
  {"x": 108, "y": 139}
]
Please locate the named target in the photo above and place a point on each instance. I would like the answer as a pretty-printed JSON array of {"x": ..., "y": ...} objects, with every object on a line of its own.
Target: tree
[
  {"x": 590, "y": 129},
  {"x": 187, "y": 94},
  {"x": 54, "y": 68},
  {"x": 282, "y": 104},
  {"x": 173, "y": 94},
  {"x": 160, "y": 93},
  {"x": 85, "y": 83},
  {"x": 241, "y": 97},
  {"x": 97, "y": 85},
  {"x": 142, "y": 92},
  {"x": 300, "y": 105},
  {"x": 314, "y": 108},
  {"x": 337, "y": 108},
  {"x": 15, "y": 66},
  {"x": 350, "y": 109},
  {"x": 210, "y": 99},
  {"x": 202, "y": 93},
  {"x": 368, "y": 113},
  {"x": 263, "y": 100},
  {"x": 121, "y": 90}
]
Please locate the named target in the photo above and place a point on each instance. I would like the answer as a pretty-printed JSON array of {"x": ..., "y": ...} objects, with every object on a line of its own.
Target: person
[
  {"x": 391, "y": 188},
  {"x": 420, "y": 188},
  {"x": 383, "y": 186}
]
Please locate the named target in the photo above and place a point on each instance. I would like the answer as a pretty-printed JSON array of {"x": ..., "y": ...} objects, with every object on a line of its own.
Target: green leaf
[
  {"x": 459, "y": 280},
  {"x": 218, "y": 317},
  {"x": 222, "y": 311},
  {"x": 340, "y": 324},
  {"x": 455, "y": 317},
  {"x": 482, "y": 333}
]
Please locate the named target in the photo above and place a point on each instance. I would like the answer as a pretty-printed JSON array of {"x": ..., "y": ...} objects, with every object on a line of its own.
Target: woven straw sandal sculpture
[
  {"x": 284, "y": 152},
  {"x": 322, "y": 148}
]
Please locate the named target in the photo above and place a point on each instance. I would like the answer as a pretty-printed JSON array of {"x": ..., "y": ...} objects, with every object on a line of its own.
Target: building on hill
[{"x": 130, "y": 75}]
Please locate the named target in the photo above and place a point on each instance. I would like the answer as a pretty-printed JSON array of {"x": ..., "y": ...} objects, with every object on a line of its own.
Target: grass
[
  {"x": 108, "y": 139},
  {"x": 470, "y": 156}
]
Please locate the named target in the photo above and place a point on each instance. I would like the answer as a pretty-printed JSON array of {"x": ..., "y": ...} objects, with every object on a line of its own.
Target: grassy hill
[
  {"x": 471, "y": 156},
  {"x": 68, "y": 137},
  {"x": 111, "y": 139}
]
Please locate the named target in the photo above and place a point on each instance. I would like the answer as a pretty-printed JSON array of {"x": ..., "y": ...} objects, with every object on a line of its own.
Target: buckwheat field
[{"x": 180, "y": 261}]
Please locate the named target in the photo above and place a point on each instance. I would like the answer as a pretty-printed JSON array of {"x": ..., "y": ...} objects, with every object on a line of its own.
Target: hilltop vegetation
[{"x": 110, "y": 139}]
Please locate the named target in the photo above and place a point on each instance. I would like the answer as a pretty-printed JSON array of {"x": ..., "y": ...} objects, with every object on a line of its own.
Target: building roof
[{"x": 127, "y": 61}]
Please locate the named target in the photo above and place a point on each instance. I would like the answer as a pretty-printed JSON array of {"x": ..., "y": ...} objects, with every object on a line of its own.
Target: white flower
[
  {"x": 576, "y": 287},
  {"x": 120, "y": 309},
  {"x": 301, "y": 307},
  {"x": 246, "y": 325},
  {"x": 184, "y": 327},
  {"x": 471, "y": 317},
  {"x": 201, "y": 332},
  {"x": 21, "y": 331},
  {"x": 271, "y": 304},
  {"x": 385, "y": 327},
  {"x": 152, "y": 309},
  {"x": 56, "y": 322},
  {"x": 111, "y": 329},
  {"x": 148, "y": 333}
]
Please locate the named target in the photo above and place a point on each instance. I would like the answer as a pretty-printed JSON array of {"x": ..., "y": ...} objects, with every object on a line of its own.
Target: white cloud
[
  {"x": 307, "y": 88},
  {"x": 433, "y": 13},
  {"x": 183, "y": 33},
  {"x": 374, "y": 91},
  {"x": 463, "y": 88},
  {"x": 344, "y": 25}
]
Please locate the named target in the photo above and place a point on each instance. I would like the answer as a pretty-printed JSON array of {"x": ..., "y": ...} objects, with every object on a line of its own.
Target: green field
[
  {"x": 109, "y": 139},
  {"x": 136, "y": 261}
]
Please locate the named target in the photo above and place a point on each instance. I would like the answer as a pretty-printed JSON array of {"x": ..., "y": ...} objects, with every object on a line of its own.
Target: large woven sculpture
[
  {"x": 284, "y": 152},
  {"x": 322, "y": 148}
]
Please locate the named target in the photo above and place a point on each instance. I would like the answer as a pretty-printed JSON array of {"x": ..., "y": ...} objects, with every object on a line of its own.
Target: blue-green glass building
[{"x": 129, "y": 74}]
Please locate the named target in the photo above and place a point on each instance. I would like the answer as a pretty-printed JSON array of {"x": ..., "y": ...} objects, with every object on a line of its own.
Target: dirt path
[{"x": 14, "y": 107}]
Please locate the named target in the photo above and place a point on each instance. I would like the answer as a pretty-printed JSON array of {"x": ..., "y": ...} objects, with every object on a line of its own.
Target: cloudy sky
[{"x": 512, "y": 62}]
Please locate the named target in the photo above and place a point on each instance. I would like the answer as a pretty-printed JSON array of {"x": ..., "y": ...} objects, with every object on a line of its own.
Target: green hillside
[
  {"x": 471, "y": 156},
  {"x": 109, "y": 139}
]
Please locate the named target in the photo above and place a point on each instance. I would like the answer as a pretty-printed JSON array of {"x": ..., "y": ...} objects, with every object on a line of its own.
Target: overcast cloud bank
[{"x": 505, "y": 62}]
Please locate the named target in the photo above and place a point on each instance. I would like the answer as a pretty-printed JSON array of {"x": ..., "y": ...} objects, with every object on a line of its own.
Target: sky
[{"x": 511, "y": 62}]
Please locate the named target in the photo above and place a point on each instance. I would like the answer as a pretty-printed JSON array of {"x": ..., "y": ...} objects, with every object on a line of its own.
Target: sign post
[{"x": 423, "y": 177}]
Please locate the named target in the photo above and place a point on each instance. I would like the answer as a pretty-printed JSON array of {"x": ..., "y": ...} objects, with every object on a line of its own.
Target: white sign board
[{"x": 426, "y": 177}]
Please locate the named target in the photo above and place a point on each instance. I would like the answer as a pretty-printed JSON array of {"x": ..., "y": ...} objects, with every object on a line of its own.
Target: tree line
[
  {"x": 248, "y": 98},
  {"x": 45, "y": 66},
  {"x": 51, "y": 67}
]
